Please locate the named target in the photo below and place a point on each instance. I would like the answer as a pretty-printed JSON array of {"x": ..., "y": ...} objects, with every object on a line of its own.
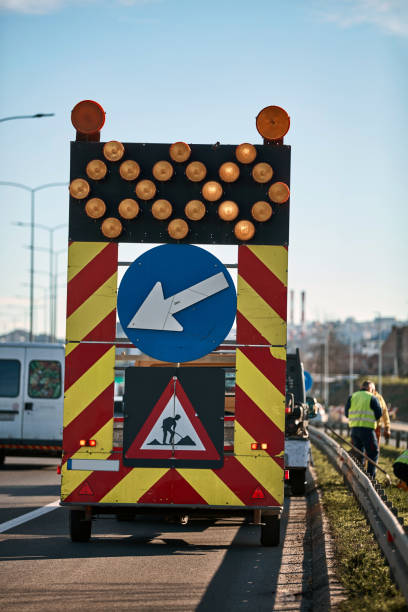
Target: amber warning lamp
[
  {"x": 228, "y": 210},
  {"x": 194, "y": 210},
  {"x": 245, "y": 153},
  {"x": 179, "y": 151},
  {"x": 113, "y": 150},
  {"x": 95, "y": 208},
  {"x": 128, "y": 208},
  {"x": 178, "y": 229},
  {"x": 244, "y": 230},
  {"x": 88, "y": 118},
  {"x": 273, "y": 123},
  {"x": 111, "y": 227}
]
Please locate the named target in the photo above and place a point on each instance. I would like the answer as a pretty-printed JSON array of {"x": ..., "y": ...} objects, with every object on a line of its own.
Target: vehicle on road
[{"x": 31, "y": 398}]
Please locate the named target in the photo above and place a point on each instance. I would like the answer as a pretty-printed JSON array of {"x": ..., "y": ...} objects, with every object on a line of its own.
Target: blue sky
[{"x": 167, "y": 70}]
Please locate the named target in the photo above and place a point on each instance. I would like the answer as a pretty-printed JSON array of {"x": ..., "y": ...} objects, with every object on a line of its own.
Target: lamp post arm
[{"x": 36, "y": 116}]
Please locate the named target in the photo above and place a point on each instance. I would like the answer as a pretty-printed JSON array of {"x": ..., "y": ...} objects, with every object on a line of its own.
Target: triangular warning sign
[
  {"x": 173, "y": 430},
  {"x": 85, "y": 489}
]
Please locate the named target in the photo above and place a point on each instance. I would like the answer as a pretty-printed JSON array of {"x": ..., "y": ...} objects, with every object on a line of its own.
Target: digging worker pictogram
[{"x": 169, "y": 426}]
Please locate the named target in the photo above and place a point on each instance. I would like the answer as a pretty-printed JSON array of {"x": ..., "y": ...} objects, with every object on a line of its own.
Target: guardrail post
[{"x": 397, "y": 439}]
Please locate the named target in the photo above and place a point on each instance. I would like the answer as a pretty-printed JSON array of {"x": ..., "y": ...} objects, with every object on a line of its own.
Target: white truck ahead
[{"x": 31, "y": 398}]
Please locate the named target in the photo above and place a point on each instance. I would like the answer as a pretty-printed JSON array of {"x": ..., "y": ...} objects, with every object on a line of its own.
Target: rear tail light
[
  {"x": 286, "y": 474},
  {"x": 259, "y": 446},
  {"x": 87, "y": 443}
]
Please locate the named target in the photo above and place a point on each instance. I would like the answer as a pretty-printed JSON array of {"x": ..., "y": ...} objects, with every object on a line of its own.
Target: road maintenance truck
[{"x": 176, "y": 303}]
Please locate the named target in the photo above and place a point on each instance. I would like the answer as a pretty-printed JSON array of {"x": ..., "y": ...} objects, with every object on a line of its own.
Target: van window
[
  {"x": 44, "y": 379},
  {"x": 9, "y": 377}
]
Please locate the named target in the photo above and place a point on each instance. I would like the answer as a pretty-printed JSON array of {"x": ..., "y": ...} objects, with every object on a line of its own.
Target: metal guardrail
[
  {"x": 398, "y": 438},
  {"x": 388, "y": 529}
]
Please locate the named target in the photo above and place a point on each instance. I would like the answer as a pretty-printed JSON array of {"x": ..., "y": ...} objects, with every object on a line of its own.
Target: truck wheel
[
  {"x": 270, "y": 531},
  {"x": 79, "y": 527},
  {"x": 2, "y": 458},
  {"x": 297, "y": 479}
]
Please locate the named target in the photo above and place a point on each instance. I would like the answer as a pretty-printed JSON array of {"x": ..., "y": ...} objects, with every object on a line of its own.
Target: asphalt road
[{"x": 146, "y": 564}]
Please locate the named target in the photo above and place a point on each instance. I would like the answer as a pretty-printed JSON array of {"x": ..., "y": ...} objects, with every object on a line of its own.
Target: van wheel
[
  {"x": 270, "y": 531},
  {"x": 297, "y": 479},
  {"x": 79, "y": 527}
]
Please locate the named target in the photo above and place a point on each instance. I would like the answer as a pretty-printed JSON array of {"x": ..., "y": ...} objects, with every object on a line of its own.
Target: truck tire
[
  {"x": 297, "y": 479},
  {"x": 2, "y": 458},
  {"x": 270, "y": 531},
  {"x": 79, "y": 527}
]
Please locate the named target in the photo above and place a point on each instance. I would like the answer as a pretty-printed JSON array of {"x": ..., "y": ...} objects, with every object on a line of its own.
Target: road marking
[{"x": 29, "y": 516}]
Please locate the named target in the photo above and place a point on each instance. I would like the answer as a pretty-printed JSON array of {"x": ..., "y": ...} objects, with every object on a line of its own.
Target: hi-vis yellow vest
[
  {"x": 402, "y": 458},
  {"x": 360, "y": 413}
]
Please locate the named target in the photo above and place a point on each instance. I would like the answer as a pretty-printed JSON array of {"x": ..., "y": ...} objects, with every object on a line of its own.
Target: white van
[{"x": 31, "y": 398}]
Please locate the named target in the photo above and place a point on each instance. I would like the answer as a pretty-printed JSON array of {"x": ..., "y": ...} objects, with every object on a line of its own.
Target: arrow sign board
[
  {"x": 174, "y": 417},
  {"x": 177, "y": 302}
]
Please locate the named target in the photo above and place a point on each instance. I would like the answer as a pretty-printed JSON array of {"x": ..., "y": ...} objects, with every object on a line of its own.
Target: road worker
[
  {"x": 400, "y": 467},
  {"x": 363, "y": 410},
  {"x": 384, "y": 422}
]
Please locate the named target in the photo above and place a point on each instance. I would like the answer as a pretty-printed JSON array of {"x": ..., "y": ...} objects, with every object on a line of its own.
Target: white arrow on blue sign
[{"x": 177, "y": 302}]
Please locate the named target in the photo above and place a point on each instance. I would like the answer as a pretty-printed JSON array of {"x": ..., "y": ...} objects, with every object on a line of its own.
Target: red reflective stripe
[
  {"x": 257, "y": 424},
  {"x": 262, "y": 280},
  {"x": 79, "y": 361},
  {"x": 88, "y": 422},
  {"x": 91, "y": 277}
]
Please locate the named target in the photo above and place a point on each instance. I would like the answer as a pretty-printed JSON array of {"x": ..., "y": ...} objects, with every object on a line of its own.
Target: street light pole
[
  {"x": 32, "y": 190},
  {"x": 51, "y": 231}
]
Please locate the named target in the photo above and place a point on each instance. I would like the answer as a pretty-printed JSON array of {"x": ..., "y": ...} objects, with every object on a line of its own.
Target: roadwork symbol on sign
[
  {"x": 174, "y": 416},
  {"x": 173, "y": 430},
  {"x": 177, "y": 302}
]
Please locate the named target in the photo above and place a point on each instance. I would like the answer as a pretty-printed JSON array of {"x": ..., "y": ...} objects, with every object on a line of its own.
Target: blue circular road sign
[
  {"x": 177, "y": 302},
  {"x": 308, "y": 380}
]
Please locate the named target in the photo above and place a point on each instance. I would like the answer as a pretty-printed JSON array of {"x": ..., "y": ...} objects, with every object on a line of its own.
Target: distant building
[{"x": 395, "y": 352}]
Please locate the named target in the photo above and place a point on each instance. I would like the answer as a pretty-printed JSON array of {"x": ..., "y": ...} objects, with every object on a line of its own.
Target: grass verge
[{"x": 360, "y": 564}]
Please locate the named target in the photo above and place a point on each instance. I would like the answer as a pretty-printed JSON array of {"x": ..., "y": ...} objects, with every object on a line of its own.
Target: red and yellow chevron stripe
[
  {"x": 261, "y": 362},
  {"x": 259, "y": 400},
  {"x": 89, "y": 367}
]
